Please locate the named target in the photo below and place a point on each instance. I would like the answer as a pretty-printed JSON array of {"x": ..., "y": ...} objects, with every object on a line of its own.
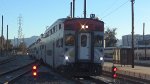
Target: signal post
[
  {"x": 34, "y": 71},
  {"x": 114, "y": 74}
]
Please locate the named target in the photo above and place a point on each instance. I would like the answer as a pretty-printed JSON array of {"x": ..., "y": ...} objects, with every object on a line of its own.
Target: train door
[{"x": 84, "y": 46}]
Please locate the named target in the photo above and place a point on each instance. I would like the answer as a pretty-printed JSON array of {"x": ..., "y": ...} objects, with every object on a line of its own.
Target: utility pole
[
  {"x": 15, "y": 46},
  {"x": 84, "y": 8},
  {"x": 2, "y": 38},
  {"x": 143, "y": 30},
  {"x": 14, "y": 41},
  {"x": 132, "y": 5},
  {"x": 144, "y": 39},
  {"x": 73, "y": 8},
  {"x": 7, "y": 42}
]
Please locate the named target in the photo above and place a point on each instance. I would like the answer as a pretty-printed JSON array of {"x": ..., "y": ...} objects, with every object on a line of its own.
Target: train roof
[
  {"x": 72, "y": 19},
  {"x": 84, "y": 19}
]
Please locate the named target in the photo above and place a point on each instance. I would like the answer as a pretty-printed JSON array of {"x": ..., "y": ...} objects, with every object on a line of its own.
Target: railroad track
[
  {"x": 89, "y": 80},
  {"x": 7, "y": 60},
  {"x": 84, "y": 80},
  {"x": 80, "y": 80},
  {"x": 12, "y": 75},
  {"x": 76, "y": 80}
]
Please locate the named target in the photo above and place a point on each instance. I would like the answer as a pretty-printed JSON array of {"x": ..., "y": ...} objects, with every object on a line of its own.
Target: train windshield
[
  {"x": 98, "y": 41},
  {"x": 69, "y": 40}
]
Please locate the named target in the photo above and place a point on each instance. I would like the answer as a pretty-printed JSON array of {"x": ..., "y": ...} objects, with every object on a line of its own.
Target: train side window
[
  {"x": 54, "y": 29},
  {"x": 50, "y": 31},
  {"x": 98, "y": 41},
  {"x": 83, "y": 40},
  {"x": 36, "y": 52},
  {"x": 42, "y": 46},
  {"x": 69, "y": 40},
  {"x": 59, "y": 26},
  {"x": 47, "y": 34},
  {"x": 57, "y": 43},
  {"x": 61, "y": 42}
]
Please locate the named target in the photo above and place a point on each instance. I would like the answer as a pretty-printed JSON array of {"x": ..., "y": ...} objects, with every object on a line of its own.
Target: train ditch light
[
  {"x": 34, "y": 71},
  {"x": 114, "y": 70}
]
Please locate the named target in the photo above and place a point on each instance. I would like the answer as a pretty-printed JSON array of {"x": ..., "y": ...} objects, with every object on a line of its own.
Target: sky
[{"x": 37, "y": 14}]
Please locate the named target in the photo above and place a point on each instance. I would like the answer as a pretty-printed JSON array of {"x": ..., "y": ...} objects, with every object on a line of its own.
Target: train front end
[{"x": 83, "y": 38}]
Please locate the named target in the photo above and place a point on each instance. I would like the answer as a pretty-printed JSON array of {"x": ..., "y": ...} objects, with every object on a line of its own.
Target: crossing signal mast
[
  {"x": 34, "y": 71},
  {"x": 114, "y": 70}
]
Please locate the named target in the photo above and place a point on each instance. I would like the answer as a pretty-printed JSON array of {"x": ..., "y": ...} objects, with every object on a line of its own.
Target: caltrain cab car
[{"x": 73, "y": 45}]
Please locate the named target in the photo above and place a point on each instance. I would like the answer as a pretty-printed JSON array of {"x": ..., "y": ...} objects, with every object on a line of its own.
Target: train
[{"x": 72, "y": 45}]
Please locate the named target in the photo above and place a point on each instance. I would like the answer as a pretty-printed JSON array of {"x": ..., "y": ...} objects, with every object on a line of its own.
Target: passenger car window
[
  {"x": 98, "y": 41},
  {"x": 69, "y": 40}
]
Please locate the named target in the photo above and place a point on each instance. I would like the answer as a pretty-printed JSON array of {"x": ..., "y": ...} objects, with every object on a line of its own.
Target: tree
[
  {"x": 110, "y": 37},
  {"x": 5, "y": 46},
  {"x": 22, "y": 47},
  {"x": 8, "y": 45}
]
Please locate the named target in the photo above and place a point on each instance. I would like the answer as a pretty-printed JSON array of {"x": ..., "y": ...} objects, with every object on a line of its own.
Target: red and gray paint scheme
[{"x": 73, "y": 45}]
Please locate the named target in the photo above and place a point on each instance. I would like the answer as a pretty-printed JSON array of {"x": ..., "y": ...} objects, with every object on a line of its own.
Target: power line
[
  {"x": 115, "y": 9},
  {"x": 110, "y": 7}
]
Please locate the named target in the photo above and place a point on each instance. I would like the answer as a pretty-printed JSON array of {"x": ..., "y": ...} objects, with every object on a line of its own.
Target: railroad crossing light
[
  {"x": 34, "y": 67},
  {"x": 34, "y": 71},
  {"x": 114, "y": 74},
  {"x": 34, "y": 74}
]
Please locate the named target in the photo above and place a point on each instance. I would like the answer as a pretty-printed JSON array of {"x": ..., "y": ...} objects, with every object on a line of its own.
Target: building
[{"x": 138, "y": 40}]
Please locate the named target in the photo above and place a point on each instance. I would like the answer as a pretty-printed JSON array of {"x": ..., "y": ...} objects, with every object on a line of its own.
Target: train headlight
[
  {"x": 101, "y": 58},
  {"x": 86, "y": 26},
  {"x": 82, "y": 26},
  {"x": 66, "y": 58}
]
